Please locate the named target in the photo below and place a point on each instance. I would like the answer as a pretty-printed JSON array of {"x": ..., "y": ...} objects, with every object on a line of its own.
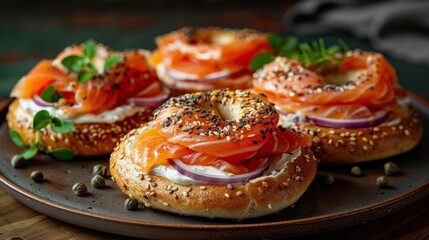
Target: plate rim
[{"x": 393, "y": 204}]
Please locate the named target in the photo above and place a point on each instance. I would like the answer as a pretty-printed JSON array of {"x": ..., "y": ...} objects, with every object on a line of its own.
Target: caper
[
  {"x": 99, "y": 169},
  {"x": 391, "y": 168},
  {"x": 18, "y": 161},
  {"x": 356, "y": 171},
  {"x": 131, "y": 204},
  {"x": 98, "y": 181},
  {"x": 80, "y": 189},
  {"x": 37, "y": 176},
  {"x": 382, "y": 182},
  {"x": 328, "y": 179}
]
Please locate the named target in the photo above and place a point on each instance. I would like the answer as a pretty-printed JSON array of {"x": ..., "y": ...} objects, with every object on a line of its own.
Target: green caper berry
[
  {"x": 356, "y": 171},
  {"x": 131, "y": 204},
  {"x": 382, "y": 182},
  {"x": 80, "y": 189},
  {"x": 99, "y": 169},
  {"x": 98, "y": 181},
  {"x": 391, "y": 168},
  {"x": 18, "y": 161},
  {"x": 37, "y": 176},
  {"x": 328, "y": 179}
]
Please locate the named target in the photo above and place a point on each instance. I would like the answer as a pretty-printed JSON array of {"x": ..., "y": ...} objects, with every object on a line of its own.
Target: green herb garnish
[
  {"x": 16, "y": 138},
  {"x": 111, "y": 61},
  {"x": 49, "y": 95},
  {"x": 41, "y": 120},
  {"x": 316, "y": 56},
  {"x": 90, "y": 48},
  {"x": 30, "y": 152},
  {"x": 83, "y": 65},
  {"x": 62, "y": 154},
  {"x": 260, "y": 60}
]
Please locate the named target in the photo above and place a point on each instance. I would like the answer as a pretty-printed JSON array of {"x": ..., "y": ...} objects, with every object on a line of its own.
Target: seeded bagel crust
[
  {"x": 258, "y": 197},
  {"x": 346, "y": 146},
  {"x": 89, "y": 139}
]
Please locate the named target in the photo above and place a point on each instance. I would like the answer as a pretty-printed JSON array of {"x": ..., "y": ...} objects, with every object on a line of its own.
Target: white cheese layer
[{"x": 108, "y": 116}]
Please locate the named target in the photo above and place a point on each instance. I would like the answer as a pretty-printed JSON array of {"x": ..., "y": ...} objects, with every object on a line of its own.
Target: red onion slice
[
  {"x": 182, "y": 76},
  {"x": 378, "y": 118},
  {"x": 40, "y": 102},
  {"x": 187, "y": 171},
  {"x": 152, "y": 101}
]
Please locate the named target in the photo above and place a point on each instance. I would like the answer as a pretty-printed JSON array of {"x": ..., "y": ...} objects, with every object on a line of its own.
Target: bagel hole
[{"x": 228, "y": 111}]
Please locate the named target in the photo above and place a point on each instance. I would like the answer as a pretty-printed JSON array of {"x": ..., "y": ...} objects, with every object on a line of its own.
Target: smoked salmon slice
[
  {"x": 197, "y": 130},
  {"x": 105, "y": 90},
  {"x": 361, "y": 85}
]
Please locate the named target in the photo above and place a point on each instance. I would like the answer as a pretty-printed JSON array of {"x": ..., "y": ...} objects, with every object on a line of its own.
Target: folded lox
[{"x": 200, "y": 59}]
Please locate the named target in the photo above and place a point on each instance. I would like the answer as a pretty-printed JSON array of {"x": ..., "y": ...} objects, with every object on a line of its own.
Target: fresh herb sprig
[
  {"x": 83, "y": 65},
  {"x": 316, "y": 56},
  {"x": 41, "y": 120}
]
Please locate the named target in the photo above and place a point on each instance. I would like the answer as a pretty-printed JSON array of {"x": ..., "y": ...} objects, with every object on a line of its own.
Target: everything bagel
[
  {"x": 197, "y": 158},
  {"x": 355, "y": 113},
  {"x": 98, "y": 106}
]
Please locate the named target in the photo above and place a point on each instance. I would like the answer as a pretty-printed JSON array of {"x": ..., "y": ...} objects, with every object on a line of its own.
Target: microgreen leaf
[
  {"x": 72, "y": 63},
  {"x": 274, "y": 40},
  {"x": 84, "y": 76},
  {"x": 40, "y": 146},
  {"x": 64, "y": 154},
  {"x": 343, "y": 45},
  {"x": 57, "y": 122},
  {"x": 41, "y": 119},
  {"x": 333, "y": 49},
  {"x": 29, "y": 152},
  {"x": 16, "y": 138},
  {"x": 90, "y": 48},
  {"x": 289, "y": 44},
  {"x": 314, "y": 55},
  {"x": 67, "y": 127},
  {"x": 112, "y": 60},
  {"x": 260, "y": 60},
  {"x": 49, "y": 94}
]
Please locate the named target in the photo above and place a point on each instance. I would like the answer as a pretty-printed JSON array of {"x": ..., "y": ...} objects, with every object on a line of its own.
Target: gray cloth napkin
[{"x": 400, "y": 28}]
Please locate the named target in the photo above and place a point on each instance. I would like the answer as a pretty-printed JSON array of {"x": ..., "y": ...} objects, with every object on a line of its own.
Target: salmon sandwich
[
  {"x": 85, "y": 100},
  {"x": 351, "y": 104},
  {"x": 214, "y": 154}
]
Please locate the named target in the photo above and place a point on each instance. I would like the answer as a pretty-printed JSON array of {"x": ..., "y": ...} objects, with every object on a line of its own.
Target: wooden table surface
[
  {"x": 20, "y": 222},
  {"x": 36, "y": 31}
]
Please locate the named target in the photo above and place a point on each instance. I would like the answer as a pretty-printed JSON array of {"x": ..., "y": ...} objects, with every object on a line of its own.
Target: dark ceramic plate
[{"x": 349, "y": 201}]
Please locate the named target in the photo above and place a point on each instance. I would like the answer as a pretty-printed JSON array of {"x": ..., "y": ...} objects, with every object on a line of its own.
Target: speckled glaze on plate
[{"x": 349, "y": 201}]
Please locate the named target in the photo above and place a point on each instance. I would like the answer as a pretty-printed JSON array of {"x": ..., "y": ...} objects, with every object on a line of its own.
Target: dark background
[{"x": 30, "y": 31}]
